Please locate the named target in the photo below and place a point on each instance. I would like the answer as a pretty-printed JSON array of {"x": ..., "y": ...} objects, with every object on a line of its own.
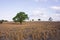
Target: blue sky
[{"x": 36, "y": 9}]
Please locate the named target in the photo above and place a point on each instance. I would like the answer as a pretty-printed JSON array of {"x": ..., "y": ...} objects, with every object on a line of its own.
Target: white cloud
[
  {"x": 37, "y": 0},
  {"x": 55, "y": 7},
  {"x": 56, "y": 0},
  {"x": 39, "y": 13},
  {"x": 41, "y": 0},
  {"x": 46, "y": 0},
  {"x": 56, "y": 14},
  {"x": 43, "y": 14},
  {"x": 56, "y": 17}
]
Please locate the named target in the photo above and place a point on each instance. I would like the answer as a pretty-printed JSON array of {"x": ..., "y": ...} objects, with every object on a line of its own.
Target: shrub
[{"x": 1, "y": 21}]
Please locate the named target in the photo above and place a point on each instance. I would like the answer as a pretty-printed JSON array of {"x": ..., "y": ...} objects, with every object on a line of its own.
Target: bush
[
  {"x": 39, "y": 19},
  {"x": 1, "y": 21}
]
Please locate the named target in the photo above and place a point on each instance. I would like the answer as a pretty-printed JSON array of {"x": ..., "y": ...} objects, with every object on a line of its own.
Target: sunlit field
[{"x": 42, "y": 30}]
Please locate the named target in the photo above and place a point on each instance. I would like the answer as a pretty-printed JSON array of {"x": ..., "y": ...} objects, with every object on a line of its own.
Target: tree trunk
[{"x": 21, "y": 22}]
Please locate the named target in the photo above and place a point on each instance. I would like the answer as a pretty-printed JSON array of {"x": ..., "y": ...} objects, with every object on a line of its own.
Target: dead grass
[{"x": 30, "y": 31}]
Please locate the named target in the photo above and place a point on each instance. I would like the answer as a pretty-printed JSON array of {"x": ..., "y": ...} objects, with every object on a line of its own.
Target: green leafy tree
[{"x": 20, "y": 17}]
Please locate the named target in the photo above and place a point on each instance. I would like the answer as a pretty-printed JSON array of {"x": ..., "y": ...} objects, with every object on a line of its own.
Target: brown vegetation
[{"x": 30, "y": 31}]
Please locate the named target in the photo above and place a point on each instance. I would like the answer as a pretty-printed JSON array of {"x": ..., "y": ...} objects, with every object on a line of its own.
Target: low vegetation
[
  {"x": 1, "y": 21},
  {"x": 30, "y": 31}
]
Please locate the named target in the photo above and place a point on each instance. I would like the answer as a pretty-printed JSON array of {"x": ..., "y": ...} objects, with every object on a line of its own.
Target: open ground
[{"x": 42, "y": 30}]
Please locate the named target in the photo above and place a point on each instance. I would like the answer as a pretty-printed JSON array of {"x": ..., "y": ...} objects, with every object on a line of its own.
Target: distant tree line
[
  {"x": 1, "y": 21},
  {"x": 49, "y": 19},
  {"x": 20, "y": 17}
]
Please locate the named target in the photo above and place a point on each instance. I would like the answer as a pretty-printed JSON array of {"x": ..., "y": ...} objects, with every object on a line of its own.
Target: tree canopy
[{"x": 20, "y": 17}]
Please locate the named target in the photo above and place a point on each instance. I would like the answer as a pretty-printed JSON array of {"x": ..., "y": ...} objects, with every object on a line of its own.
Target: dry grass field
[{"x": 43, "y": 30}]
